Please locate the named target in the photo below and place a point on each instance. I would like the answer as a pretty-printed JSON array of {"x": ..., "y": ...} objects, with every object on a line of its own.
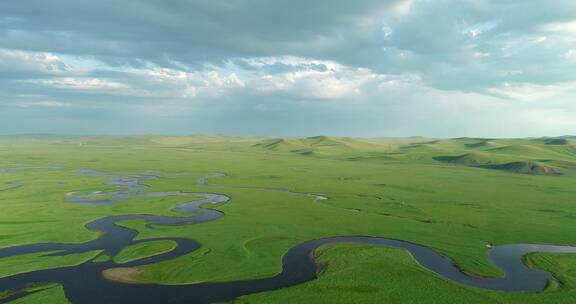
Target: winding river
[{"x": 85, "y": 284}]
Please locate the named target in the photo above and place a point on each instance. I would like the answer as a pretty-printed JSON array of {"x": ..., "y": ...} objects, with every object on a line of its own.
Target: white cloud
[
  {"x": 318, "y": 79},
  {"x": 570, "y": 55},
  {"x": 182, "y": 84},
  {"x": 473, "y": 31},
  {"x": 314, "y": 84},
  {"x": 533, "y": 92},
  {"x": 296, "y": 77},
  {"x": 79, "y": 83},
  {"x": 43, "y": 104},
  {"x": 403, "y": 8},
  {"x": 563, "y": 28},
  {"x": 18, "y": 61},
  {"x": 292, "y": 61}
]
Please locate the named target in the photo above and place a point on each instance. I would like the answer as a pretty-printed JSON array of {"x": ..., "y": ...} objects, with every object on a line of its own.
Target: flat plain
[{"x": 457, "y": 196}]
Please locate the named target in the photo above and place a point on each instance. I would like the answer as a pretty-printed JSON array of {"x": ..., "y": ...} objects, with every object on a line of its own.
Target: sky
[{"x": 368, "y": 68}]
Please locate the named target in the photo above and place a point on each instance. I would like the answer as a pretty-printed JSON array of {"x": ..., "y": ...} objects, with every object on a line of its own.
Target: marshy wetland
[{"x": 147, "y": 220}]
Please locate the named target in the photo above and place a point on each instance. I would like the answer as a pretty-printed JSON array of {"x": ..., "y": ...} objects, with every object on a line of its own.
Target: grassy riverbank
[{"x": 455, "y": 196}]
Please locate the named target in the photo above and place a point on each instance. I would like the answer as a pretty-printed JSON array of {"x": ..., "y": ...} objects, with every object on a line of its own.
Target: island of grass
[{"x": 143, "y": 250}]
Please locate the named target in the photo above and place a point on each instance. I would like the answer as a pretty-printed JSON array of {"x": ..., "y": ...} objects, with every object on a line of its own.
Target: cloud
[
  {"x": 79, "y": 83},
  {"x": 302, "y": 78},
  {"x": 190, "y": 30},
  {"x": 23, "y": 64},
  {"x": 368, "y": 67},
  {"x": 472, "y": 45},
  {"x": 534, "y": 92},
  {"x": 43, "y": 104},
  {"x": 562, "y": 28}
]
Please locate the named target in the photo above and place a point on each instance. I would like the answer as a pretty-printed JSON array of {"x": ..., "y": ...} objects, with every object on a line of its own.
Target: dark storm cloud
[{"x": 189, "y": 30}]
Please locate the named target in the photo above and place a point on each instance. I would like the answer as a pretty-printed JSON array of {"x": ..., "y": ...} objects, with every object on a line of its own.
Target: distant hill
[
  {"x": 473, "y": 159},
  {"x": 305, "y": 146},
  {"x": 526, "y": 167},
  {"x": 35, "y": 136},
  {"x": 535, "y": 156},
  {"x": 540, "y": 156},
  {"x": 331, "y": 146}
]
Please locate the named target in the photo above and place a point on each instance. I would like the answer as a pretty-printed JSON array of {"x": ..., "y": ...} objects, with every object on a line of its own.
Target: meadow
[{"x": 457, "y": 196}]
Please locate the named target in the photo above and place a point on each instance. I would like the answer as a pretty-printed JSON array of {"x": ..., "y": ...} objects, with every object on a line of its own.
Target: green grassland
[
  {"x": 53, "y": 294},
  {"x": 142, "y": 250},
  {"x": 453, "y": 195}
]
